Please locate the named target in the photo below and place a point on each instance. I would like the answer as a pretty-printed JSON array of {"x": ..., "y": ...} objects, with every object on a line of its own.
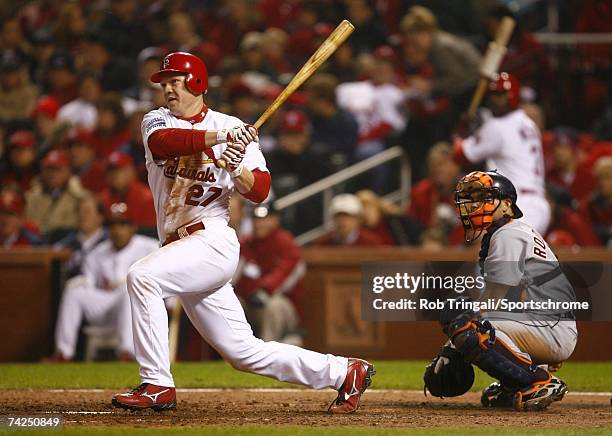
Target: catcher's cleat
[
  {"x": 540, "y": 395},
  {"x": 497, "y": 396},
  {"x": 147, "y": 396},
  {"x": 358, "y": 379}
]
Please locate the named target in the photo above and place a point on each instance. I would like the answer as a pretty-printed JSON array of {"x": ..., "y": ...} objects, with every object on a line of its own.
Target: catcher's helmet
[
  {"x": 475, "y": 200},
  {"x": 507, "y": 83},
  {"x": 191, "y": 65}
]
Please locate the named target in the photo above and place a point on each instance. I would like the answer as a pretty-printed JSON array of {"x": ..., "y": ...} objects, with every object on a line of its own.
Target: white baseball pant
[
  {"x": 198, "y": 269},
  {"x": 99, "y": 307}
]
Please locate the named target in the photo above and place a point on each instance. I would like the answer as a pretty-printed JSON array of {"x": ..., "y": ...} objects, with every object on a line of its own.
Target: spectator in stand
[
  {"x": 253, "y": 56},
  {"x": 376, "y": 103},
  {"x": 70, "y": 25},
  {"x": 347, "y": 215},
  {"x": 111, "y": 133},
  {"x": 124, "y": 187},
  {"x": 115, "y": 73},
  {"x": 81, "y": 112},
  {"x": 44, "y": 47},
  {"x": 99, "y": 295},
  {"x": 235, "y": 20},
  {"x": 342, "y": 64},
  {"x": 243, "y": 102},
  {"x": 134, "y": 148},
  {"x": 83, "y": 160},
  {"x": 45, "y": 122},
  {"x": 21, "y": 165},
  {"x": 52, "y": 201},
  {"x": 275, "y": 50},
  {"x": 570, "y": 170},
  {"x": 454, "y": 61},
  {"x": 148, "y": 61},
  {"x": 567, "y": 227},
  {"x": 301, "y": 33},
  {"x": 432, "y": 202},
  {"x": 86, "y": 237},
  {"x": 17, "y": 93},
  {"x": 269, "y": 278},
  {"x": 183, "y": 37},
  {"x": 12, "y": 38},
  {"x": 62, "y": 82},
  {"x": 14, "y": 231},
  {"x": 369, "y": 27},
  {"x": 333, "y": 129},
  {"x": 296, "y": 164},
  {"x": 597, "y": 208},
  {"x": 386, "y": 220},
  {"x": 120, "y": 27}
]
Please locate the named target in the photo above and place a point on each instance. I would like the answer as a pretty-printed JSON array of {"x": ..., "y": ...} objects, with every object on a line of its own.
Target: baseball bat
[
  {"x": 173, "y": 329},
  {"x": 491, "y": 61},
  {"x": 325, "y": 50}
]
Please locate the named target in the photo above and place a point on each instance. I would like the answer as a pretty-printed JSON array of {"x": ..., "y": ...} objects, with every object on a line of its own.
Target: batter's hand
[
  {"x": 242, "y": 134},
  {"x": 233, "y": 157}
]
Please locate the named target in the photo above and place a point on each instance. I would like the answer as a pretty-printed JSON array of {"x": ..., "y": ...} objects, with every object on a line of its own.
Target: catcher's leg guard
[{"x": 477, "y": 342}]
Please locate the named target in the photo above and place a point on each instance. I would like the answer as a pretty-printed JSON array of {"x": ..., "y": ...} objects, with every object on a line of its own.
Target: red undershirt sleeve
[
  {"x": 169, "y": 143},
  {"x": 261, "y": 186},
  {"x": 458, "y": 155}
]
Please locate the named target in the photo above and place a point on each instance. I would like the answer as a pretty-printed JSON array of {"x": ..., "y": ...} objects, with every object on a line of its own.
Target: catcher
[{"x": 517, "y": 349}]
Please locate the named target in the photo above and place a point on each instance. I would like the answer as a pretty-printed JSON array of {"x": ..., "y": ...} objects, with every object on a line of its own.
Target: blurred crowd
[
  {"x": 74, "y": 86},
  {"x": 74, "y": 82}
]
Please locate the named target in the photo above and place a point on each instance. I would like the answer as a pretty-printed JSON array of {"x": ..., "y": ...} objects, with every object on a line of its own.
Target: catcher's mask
[{"x": 475, "y": 197}]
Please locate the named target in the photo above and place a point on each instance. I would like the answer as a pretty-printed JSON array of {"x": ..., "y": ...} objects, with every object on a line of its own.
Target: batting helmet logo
[
  {"x": 504, "y": 82},
  {"x": 193, "y": 67}
]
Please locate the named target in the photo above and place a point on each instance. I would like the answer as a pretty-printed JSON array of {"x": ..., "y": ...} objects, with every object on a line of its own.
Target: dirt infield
[{"x": 306, "y": 408}]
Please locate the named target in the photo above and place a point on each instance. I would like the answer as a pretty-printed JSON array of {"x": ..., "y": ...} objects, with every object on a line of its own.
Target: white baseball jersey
[
  {"x": 205, "y": 189},
  {"x": 511, "y": 145},
  {"x": 106, "y": 268},
  {"x": 373, "y": 104}
]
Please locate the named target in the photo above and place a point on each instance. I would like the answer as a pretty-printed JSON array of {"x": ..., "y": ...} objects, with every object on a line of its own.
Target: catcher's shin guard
[{"x": 477, "y": 342}]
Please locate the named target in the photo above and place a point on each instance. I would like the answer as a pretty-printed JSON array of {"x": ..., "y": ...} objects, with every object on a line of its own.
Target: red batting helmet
[
  {"x": 507, "y": 83},
  {"x": 181, "y": 62}
]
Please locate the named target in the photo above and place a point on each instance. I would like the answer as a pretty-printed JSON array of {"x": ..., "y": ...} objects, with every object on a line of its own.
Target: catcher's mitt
[{"x": 448, "y": 374}]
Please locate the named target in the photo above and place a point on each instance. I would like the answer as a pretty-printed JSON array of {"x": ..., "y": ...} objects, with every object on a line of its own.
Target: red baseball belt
[{"x": 182, "y": 232}]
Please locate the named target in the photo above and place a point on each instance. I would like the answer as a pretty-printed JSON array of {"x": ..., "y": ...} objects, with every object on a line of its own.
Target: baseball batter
[
  {"x": 510, "y": 142},
  {"x": 517, "y": 265},
  {"x": 199, "y": 251}
]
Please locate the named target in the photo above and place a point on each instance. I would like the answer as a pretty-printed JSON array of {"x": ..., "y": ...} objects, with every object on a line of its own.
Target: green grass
[
  {"x": 580, "y": 376},
  {"x": 307, "y": 431}
]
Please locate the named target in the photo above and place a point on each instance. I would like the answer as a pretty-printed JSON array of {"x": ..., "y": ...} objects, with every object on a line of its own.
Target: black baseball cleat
[{"x": 497, "y": 396}]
